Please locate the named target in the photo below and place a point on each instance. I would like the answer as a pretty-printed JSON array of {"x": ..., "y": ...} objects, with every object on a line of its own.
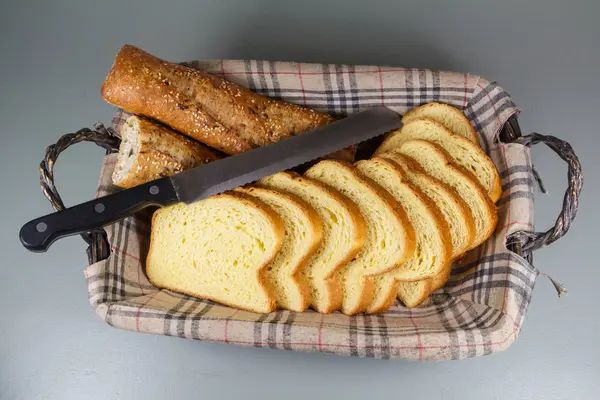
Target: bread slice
[
  {"x": 445, "y": 114},
  {"x": 457, "y": 217},
  {"x": 390, "y": 239},
  {"x": 464, "y": 153},
  {"x": 344, "y": 234},
  {"x": 454, "y": 209},
  {"x": 436, "y": 163},
  {"x": 412, "y": 294},
  {"x": 433, "y": 243},
  {"x": 303, "y": 235},
  {"x": 215, "y": 249},
  {"x": 150, "y": 151}
]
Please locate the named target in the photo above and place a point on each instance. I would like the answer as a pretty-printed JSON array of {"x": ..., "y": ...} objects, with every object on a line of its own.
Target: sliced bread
[
  {"x": 150, "y": 151},
  {"x": 470, "y": 157},
  {"x": 454, "y": 209},
  {"x": 412, "y": 294},
  {"x": 389, "y": 237},
  {"x": 303, "y": 235},
  {"x": 436, "y": 163},
  {"x": 344, "y": 233},
  {"x": 445, "y": 114},
  {"x": 215, "y": 249},
  {"x": 433, "y": 243}
]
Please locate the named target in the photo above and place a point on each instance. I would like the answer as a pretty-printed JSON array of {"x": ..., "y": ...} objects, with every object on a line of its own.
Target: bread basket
[{"x": 480, "y": 311}]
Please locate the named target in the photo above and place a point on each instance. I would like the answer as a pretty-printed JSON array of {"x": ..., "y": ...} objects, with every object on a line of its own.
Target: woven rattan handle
[
  {"x": 531, "y": 241},
  {"x": 103, "y": 137}
]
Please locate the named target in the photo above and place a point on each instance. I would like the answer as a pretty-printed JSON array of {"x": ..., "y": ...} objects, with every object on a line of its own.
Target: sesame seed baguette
[{"x": 205, "y": 107}]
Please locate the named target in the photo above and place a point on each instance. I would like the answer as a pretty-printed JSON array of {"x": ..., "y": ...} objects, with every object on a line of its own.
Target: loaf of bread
[
  {"x": 467, "y": 155},
  {"x": 390, "y": 239},
  {"x": 433, "y": 244},
  {"x": 343, "y": 236},
  {"x": 303, "y": 233},
  {"x": 216, "y": 249},
  {"x": 150, "y": 151},
  {"x": 446, "y": 115},
  {"x": 209, "y": 109}
]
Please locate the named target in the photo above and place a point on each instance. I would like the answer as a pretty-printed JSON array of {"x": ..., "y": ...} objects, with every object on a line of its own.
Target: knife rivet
[
  {"x": 99, "y": 208},
  {"x": 41, "y": 227},
  {"x": 154, "y": 189}
]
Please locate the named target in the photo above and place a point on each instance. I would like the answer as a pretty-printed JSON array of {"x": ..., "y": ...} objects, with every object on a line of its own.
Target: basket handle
[
  {"x": 106, "y": 138},
  {"x": 531, "y": 241}
]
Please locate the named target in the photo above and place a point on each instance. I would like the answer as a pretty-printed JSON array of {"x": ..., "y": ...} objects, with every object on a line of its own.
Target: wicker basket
[{"x": 368, "y": 329}]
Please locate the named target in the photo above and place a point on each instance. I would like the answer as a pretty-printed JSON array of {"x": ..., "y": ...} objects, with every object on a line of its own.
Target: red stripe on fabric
[
  {"x": 301, "y": 83},
  {"x": 509, "y": 223},
  {"x": 452, "y": 346},
  {"x": 419, "y": 344},
  {"x": 319, "y": 336},
  {"x": 110, "y": 163},
  {"x": 222, "y": 68},
  {"x": 139, "y": 311},
  {"x": 125, "y": 253},
  {"x": 226, "y": 329},
  {"x": 381, "y": 86},
  {"x": 492, "y": 103},
  {"x": 465, "y": 99},
  {"x": 316, "y": 73}
]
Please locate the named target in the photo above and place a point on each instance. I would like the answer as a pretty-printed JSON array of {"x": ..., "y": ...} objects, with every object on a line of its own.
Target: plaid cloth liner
[{"x": 480, "y": 311}]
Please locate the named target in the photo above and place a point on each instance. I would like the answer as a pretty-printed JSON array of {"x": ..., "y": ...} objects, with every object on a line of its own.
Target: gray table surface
[{"x": 54, "y": 56}]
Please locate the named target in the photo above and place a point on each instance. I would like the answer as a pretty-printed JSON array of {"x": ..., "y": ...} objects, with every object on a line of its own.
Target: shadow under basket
[{"x": 480, "y": 311}]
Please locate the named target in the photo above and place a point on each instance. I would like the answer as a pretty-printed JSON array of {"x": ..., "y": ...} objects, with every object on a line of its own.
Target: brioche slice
[
  {"x": 445, "y": 114},
  {"x": 464, "y": 153},
  {"x": 150, "y": 151},
  {"x": 436, "y": 163},
  {"x": 215, "y": 249},
  {"x": 433, "y": 243},
  {"x": 390, "y": 239},
  {"x": 453, "y": 208},
  {"x": 343, "y": 236},
  {"x": 303, "y": 235}
]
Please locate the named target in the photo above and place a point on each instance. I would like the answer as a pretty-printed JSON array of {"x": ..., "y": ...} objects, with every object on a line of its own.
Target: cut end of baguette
[
  {"x": 129, "y": 150},
  {"x": 215, "y": 249}
]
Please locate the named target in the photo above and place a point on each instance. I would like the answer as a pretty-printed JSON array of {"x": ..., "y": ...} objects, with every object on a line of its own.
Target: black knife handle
[{"x": 39, "y": 234}]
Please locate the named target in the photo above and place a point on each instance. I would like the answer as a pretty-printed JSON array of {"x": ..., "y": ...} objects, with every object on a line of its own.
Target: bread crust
[
  {"x": 279, "y": 230},
  {"x": 205, "y": 107},
  {"x": 417, "y": 171},
  {"x": 162, "y": 152},
  {"x": 472, "y": 133},
  {"x": 494, "y": 192},
  {"x": 489, "y": 207}
]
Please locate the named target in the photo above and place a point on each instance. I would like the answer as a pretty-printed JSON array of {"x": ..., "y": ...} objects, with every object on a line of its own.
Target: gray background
[{"x": 54, "y": 56}]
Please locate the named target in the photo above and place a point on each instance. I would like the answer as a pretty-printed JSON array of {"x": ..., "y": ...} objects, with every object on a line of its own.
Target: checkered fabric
[{"x": 480, "y": 311}]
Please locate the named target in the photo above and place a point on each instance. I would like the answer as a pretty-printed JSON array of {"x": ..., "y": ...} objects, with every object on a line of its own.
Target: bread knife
[{"x": 210, "y": 179}]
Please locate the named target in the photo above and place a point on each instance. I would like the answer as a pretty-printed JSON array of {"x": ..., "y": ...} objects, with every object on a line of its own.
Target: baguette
[
  {"x": 150, "y": 151},
  {"x": 212, "y": 110}
]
